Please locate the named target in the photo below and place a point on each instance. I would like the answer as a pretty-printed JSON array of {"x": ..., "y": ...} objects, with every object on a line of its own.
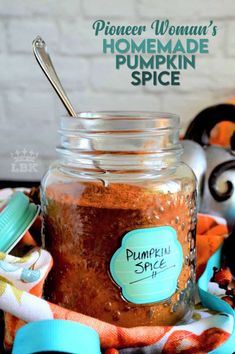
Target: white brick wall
[
  {"x": 109, "y": 9},
  {"x": 230, "y": 39},
  {"x": 29, "y": 109}
]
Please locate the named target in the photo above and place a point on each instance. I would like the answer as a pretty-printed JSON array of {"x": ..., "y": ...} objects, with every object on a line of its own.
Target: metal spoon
[{"x": 44, "y": 60}]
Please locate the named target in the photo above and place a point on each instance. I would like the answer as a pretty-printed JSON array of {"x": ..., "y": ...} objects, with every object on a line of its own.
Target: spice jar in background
[{"x": 119, "y": 219}]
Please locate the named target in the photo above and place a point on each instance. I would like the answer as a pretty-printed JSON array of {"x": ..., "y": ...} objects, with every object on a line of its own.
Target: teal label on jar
[{"x": 147, "y": 265}]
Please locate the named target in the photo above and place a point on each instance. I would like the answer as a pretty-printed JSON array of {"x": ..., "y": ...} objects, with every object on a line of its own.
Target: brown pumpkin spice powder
[{"x": 84, "y": 223}]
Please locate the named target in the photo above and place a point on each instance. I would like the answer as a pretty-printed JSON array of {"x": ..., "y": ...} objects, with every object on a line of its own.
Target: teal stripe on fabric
[{"x": 215, "y": 303}]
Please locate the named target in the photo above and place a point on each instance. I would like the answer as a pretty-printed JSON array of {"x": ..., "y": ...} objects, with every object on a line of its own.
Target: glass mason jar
[{"x": 119, "y": 219}]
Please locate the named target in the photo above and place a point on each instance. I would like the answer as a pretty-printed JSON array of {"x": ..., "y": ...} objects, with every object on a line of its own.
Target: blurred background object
[
  {"x": 222, "y": 133},
  {"x": 218, "y": 197},
  {"x": 30, "y": 110},
  {"x": 195, "y": 157}
]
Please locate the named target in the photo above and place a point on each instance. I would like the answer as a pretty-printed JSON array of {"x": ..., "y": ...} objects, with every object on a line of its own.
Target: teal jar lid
[
  {"x": 16, "y": 217},
  {"x": 56, "y": 336}
]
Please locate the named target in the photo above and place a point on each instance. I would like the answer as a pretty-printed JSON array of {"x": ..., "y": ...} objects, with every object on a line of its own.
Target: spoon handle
[{"x": 44, "y": 60}]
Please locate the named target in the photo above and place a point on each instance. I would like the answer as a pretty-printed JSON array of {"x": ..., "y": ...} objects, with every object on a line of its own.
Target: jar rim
[
  {"x": 107, "y": 121},
  {"x": 133, "y": 115},
  {"x": 115, "y": 140}
]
